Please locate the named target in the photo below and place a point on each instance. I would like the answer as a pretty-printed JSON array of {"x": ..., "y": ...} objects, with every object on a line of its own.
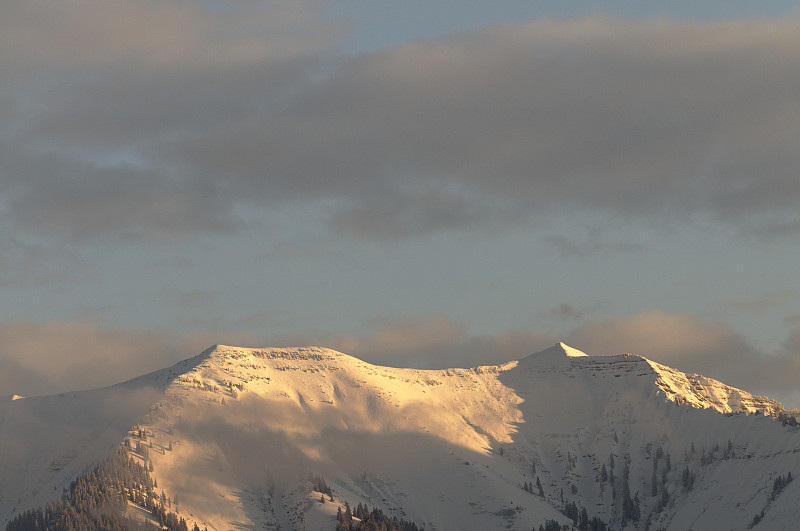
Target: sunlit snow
[{"x": 234, "y": 435}]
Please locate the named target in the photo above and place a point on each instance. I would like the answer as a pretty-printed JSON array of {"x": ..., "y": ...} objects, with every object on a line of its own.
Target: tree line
[
  {"x": 370, "y": 520},
  {"x": 97, "y": 500}
]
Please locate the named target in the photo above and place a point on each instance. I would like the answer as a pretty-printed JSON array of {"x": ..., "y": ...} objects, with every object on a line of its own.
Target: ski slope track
[{"x": 235, "y": 434}]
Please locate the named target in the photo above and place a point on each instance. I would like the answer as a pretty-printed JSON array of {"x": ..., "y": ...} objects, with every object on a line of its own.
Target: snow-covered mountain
[{"x": 235, "y": 436}]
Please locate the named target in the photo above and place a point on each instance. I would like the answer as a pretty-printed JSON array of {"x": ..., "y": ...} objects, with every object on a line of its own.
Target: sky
[{"x": 422, "y": 184}]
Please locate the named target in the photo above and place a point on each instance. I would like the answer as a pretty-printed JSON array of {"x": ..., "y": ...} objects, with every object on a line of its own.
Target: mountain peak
[
  {"x": 556, "y": 356},
  {"x": 571, "y": 352}
]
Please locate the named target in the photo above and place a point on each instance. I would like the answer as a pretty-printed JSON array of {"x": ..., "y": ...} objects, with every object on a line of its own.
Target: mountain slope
[{"x": 235, "y": 434}]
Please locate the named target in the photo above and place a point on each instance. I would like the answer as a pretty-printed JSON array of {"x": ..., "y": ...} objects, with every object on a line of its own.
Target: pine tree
[
  {"x": 583, "y": 521},
  {"x": 653, "y": 480}
]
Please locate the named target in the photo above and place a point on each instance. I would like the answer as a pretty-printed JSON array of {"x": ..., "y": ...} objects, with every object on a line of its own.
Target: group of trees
[
  {"x": 552, "y": 525},
  {"x": 779, "y": 484},
  {"x": 98, "y": 499},
  {"x": 790, "y": 417},
  {"x": 595, "y": 524},
  {"x": 370, "y": 520},
  {"x": 580, "y": 518},
  {"x": 319, "y": 485},
  {"x": 631, "y": 508},
  {"x": 529, "y": 487}
]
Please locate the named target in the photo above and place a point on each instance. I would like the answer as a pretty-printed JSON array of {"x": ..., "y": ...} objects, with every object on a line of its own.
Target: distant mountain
[{"x": 283, "y": 438}]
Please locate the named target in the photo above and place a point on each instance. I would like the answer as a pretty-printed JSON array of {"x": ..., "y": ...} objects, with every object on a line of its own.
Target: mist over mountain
[{"x": 239, "y": 438}]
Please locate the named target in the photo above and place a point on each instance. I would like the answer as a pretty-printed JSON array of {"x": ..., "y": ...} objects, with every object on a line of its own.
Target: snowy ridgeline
[{"x": 314, "y": 439}]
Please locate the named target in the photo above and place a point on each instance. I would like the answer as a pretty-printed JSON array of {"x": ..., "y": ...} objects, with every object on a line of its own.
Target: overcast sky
[{"x": 422, "y": 184}]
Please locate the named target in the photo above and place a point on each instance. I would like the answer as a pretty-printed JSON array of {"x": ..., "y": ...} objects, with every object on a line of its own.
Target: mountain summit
[
  {"x": 558, "y": 355},
  {"x": 283, "y": 438}
]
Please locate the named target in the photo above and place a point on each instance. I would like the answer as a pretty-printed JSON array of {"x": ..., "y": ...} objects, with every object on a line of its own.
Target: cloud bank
[
  {"x": 45, "y": 358},
  {"x": 680, "y": 341},
  {"x": 186, "y": 116}
]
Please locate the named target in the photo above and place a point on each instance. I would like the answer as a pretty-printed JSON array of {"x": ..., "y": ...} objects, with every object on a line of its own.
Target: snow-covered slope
[{"x": 235, "y": 434}]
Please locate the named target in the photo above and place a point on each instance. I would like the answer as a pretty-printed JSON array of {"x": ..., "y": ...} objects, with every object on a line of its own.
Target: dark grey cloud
[
  {"x": 408, "y": 212},
  {"x": 181, "y": 117},
  {"x": 67, "y": 196},
  {"x": 92, "y": 89},
  {"x": 565, "y": 311}
]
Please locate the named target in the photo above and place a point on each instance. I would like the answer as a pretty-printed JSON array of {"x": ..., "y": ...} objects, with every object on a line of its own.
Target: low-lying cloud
[
  {"x": 42, "y": 358},
  {"x": 677, "y": 340},
  {"x": 51, "y": 357}
]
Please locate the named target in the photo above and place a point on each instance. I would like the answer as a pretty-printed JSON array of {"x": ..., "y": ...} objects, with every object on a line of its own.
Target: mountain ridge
[{"x": 252, "y": 424}]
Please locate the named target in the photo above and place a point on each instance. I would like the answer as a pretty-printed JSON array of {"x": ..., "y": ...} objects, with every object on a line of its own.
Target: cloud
[
  {"x": 565, "y": 311},
  {"x": 677, "y": 340},
  {"x": 51, "y": 357},
  {"x": 162, "y": 118},
  {"x": 408, "y": 212},
  {"x": 793, "y": 343},
  {"x": 776, "y": 373},
  {"x": 93, "y": 86},
  {"x": 696, "y": 346},
  {"x": 765, "y": 302},
  {"x": 593, "y": 243},
  {"x": 46, "y": 358},
  {"x": 80, "y": 200},
  {"x": 430, "y": 341},
  {"x": 38, "y": 358},
  {"x": 37, "y": 34}
]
